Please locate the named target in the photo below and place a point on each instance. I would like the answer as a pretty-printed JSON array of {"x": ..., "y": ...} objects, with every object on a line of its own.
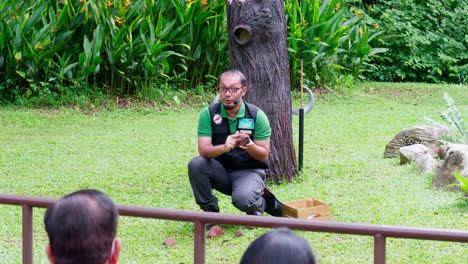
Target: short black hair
[
  {"x": 238, "y": 73},
  {"x": 279, "y": 246},
  {"x": 81, "y": 227}
]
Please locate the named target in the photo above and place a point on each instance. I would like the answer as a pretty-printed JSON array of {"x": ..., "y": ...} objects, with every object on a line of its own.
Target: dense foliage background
[
  {"x": 70, "y": 50},
  {"x": 427, "y": 40}
]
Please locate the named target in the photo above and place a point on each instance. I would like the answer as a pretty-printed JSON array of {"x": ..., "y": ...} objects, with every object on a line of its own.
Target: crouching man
[{"x": 233, "y": 146}]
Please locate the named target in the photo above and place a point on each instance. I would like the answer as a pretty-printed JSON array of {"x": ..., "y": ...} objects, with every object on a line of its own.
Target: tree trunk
[{"x": 257, "y": 47}]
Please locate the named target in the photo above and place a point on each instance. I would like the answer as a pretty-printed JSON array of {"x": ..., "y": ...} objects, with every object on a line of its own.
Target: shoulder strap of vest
[
  {"x": 214, "y": 109},
  {"x": 252, "y": 110}
]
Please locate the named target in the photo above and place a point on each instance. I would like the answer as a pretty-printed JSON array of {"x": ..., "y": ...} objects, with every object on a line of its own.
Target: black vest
[{"x": 236, "y": 158}]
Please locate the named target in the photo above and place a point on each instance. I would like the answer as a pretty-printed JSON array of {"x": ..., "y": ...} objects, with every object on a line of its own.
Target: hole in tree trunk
[{"x": 242, "y": 35}]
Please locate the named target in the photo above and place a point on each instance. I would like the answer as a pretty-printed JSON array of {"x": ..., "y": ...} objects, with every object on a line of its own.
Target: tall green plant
[
  {"x": 329, "y": 39},
  {"x": 314, "y": 37},
  {"x": 358, "y": 55},
  {"x": 24, "y": 48},
  {"x": 145, "y": 38},
  {"x": 463, "y": 182},
  {"x": 122, "y": 46},
  {"x": 204, "y": 24},
  {"x": 452, "y": 115},
  {"x": 145, "y": 47}
]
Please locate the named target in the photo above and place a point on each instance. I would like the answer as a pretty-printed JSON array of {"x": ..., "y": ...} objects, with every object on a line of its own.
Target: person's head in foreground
[
  {"x": 279, "y": 246},
  {"x": 81, "y": 227}
]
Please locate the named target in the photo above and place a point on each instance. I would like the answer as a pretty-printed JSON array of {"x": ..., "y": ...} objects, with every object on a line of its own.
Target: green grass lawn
[{"x": 139, "y": 157}]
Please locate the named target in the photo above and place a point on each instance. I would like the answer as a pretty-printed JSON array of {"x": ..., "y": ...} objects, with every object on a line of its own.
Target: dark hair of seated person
[
  {"x": 81, "y": 227},
  {"x": 279, "y": 246}
]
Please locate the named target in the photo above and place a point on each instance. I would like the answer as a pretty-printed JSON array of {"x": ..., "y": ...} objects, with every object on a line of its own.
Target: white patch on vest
[{"x": 217, "y": 119}]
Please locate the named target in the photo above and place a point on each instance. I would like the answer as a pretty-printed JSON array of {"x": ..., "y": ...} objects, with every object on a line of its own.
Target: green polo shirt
[{"x": 262, "y": 125}]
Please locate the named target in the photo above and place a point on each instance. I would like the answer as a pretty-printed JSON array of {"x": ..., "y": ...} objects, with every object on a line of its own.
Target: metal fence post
[
  {"x": 27, "y": 234},
  {"x": 379, "y": 249},
  {"x": 199, "y": 247}
]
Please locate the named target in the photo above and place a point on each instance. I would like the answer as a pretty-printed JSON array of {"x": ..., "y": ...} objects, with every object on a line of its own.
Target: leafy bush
[
  {"x": 426, "y": 40},
  {"x": 57, "y": 50},
  {"x": 330, "y": 39},
  {"x": 118, "y": 47}
]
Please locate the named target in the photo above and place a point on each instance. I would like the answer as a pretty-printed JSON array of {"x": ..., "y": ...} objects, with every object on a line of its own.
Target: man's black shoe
[
  {"x": 272, "y": 204},
  {"x": 211, "y": 209}
]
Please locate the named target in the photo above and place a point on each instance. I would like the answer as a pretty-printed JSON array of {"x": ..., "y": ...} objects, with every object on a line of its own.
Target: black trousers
[{"x": 245, "y": 186}]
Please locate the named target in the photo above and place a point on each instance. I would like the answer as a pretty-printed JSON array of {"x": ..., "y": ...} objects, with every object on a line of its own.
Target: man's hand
[
  {"x": 207, "y": 150},
  {"x": 231, "y": 142},
  {"x": 258, "y": 149},
  {"x": 238, "y": 137}
]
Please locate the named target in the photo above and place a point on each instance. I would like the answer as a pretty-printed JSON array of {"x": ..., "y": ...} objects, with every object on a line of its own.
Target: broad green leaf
[
  {"x": 197, "y": 52},
  {"x": 70, "y": 67},
  {"x": 156, "y": 48},
  {"x": 377, "y": 51},
  {"x": 167, "y": 29},
  {"x": 316, "y": 11},
  {"x": 463, "y": 181},
  {"x": 35, "y": 17},
  {"x": 376, "y": 34},
  {"x": 97, "y": 40},
  {"x": 21, "y": 73},
  {"x": 44, "y": 32},
  {"x": 90, "y": 69},
  {"x": 87, "y": 49},
  {"x": 97, "y": 60},
  {"x": 64, "y": 14},
  {"x": 18, "y": 40},
  {"x": 82, "y": 59},
  {"x": 336, "y": 66}
]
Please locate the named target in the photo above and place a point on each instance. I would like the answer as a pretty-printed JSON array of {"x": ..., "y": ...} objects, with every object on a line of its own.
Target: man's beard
[{"x": 229, "y": 107}]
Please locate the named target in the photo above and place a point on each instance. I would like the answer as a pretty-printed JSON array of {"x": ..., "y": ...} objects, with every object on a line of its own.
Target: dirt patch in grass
[
  {"x": 392, "y": 92},
  {"x": 389, "y": 93}
]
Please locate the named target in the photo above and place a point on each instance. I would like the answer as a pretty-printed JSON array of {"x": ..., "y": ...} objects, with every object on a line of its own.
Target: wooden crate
[{"x": 307, "y": 208}]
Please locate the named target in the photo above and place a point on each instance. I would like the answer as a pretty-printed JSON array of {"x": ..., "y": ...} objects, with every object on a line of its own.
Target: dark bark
[{"x": 257, "y": 47}]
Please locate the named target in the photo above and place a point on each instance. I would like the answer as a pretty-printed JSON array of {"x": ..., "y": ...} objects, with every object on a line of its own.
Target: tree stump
[{"x": 258, "y": 48}]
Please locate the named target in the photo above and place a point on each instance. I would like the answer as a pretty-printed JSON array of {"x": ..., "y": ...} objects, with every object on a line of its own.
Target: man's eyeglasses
[{"x": 231, "y": 90}]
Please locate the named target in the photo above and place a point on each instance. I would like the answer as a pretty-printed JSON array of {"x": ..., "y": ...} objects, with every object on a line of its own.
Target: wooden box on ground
[{"x": 307, "y": 208}]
